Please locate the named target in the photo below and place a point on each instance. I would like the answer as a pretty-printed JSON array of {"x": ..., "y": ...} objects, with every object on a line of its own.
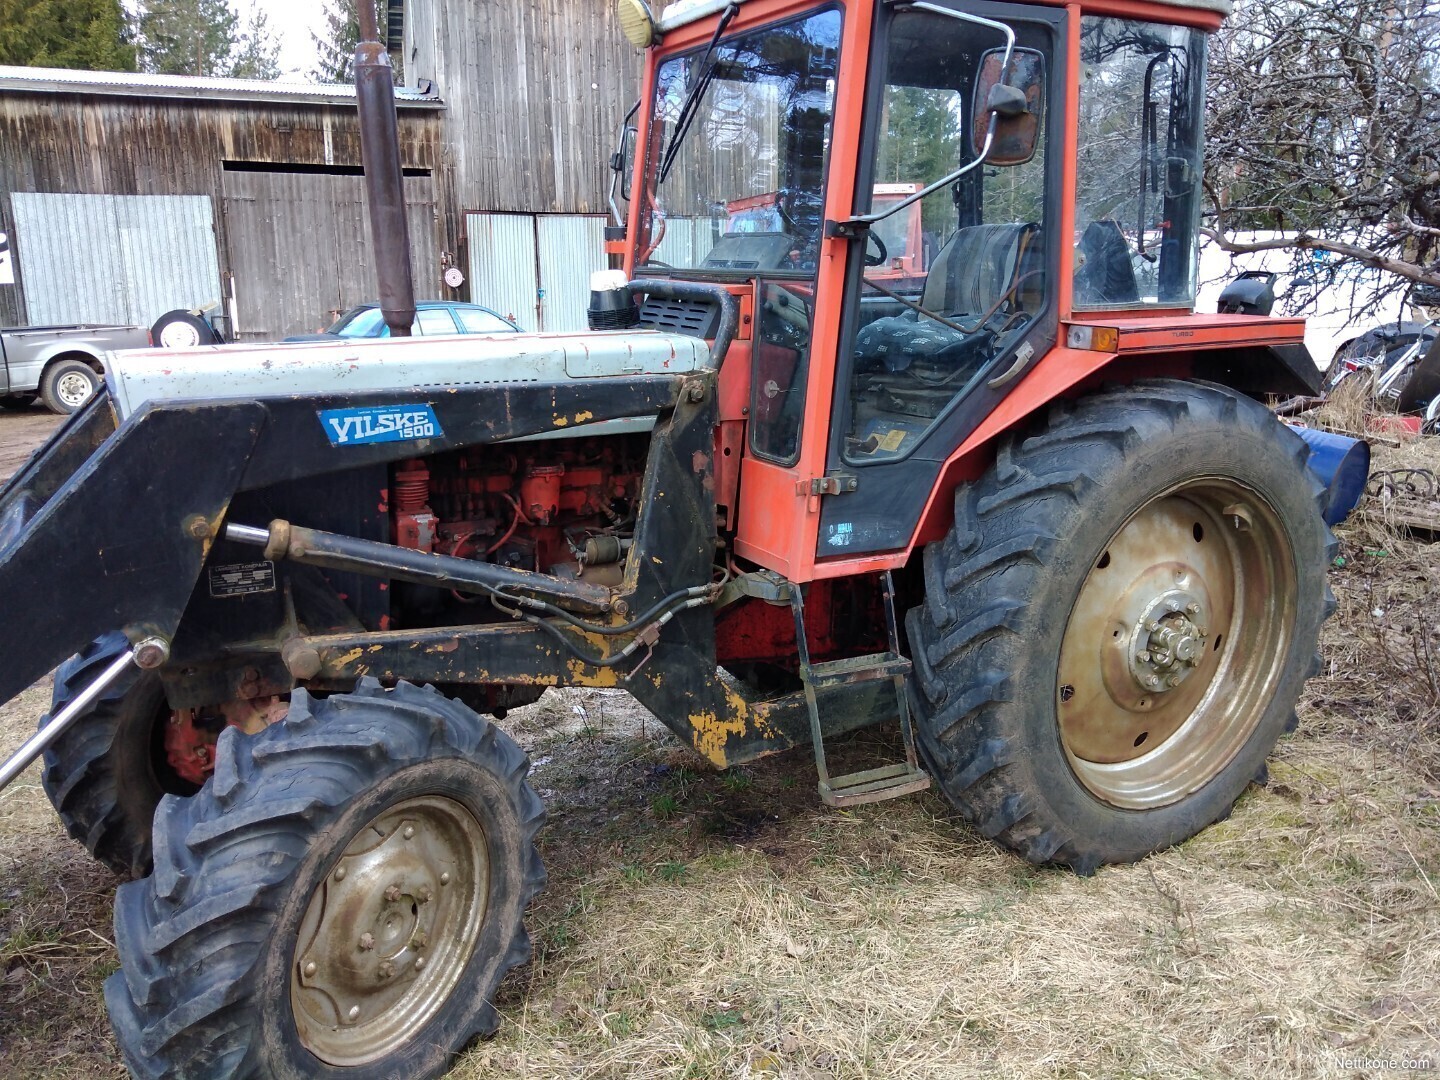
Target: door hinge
[{"x": 838, "y": 484}]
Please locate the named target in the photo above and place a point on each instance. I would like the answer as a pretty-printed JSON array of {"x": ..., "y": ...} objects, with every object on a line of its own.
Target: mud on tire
[
  {"x": 210, "y": 943},
  {"x": 999, "y": 594}
]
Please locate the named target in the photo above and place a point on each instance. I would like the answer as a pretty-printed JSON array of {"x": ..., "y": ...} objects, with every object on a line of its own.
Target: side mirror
[
  {"x": 1015, "y": 102},
  {"x": 622, "y": 159}
]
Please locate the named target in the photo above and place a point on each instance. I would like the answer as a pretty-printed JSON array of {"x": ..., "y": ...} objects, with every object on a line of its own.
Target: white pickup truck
[{"x": 61, "y": 365}]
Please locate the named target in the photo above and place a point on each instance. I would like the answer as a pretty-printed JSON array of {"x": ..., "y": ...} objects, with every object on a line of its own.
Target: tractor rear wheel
[
  {"x": 1116, "y": 629},
  {"x": 341, "y": 899},
  {"x": 107, "y": 772}
]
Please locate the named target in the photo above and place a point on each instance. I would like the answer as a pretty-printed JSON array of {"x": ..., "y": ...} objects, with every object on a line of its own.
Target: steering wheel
[{"x": 881, "y": 257}]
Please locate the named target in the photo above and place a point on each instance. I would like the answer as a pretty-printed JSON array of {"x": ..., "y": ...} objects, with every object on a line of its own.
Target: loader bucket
[{"x": 105, "y": 527}]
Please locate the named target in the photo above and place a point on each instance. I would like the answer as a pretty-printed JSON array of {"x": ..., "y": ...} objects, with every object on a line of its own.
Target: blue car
[{"x": 433, "y": 318}]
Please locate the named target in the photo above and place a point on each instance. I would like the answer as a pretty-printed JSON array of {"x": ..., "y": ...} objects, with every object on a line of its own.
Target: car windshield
[
  {"x": 743, "y": 183},
  {"x": 358, "y": 322}
]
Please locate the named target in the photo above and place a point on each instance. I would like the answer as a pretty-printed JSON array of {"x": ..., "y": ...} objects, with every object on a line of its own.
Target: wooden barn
[{"x": 123, "y": 196}]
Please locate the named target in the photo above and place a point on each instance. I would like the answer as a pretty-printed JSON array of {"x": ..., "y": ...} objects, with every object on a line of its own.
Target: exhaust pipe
[{"x": 384, "y": 180}]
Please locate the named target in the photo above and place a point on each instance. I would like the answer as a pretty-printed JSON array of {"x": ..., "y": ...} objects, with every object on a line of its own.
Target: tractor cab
[{"x": 1050, "y": 160}]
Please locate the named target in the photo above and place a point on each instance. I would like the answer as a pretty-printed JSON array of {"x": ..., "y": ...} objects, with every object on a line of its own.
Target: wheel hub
[
  {"x": 1167, "y": 644},
  {"x": 390, "y": 930}
]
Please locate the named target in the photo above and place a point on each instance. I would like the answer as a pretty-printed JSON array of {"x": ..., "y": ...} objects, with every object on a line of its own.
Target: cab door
[{"x": 925, "y": 357}]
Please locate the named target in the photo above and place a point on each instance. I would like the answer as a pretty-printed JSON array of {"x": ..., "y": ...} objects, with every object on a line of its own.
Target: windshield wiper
[{"x": 689, "y": 109}]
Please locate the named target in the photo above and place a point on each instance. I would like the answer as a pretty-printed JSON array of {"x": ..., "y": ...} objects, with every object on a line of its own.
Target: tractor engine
[{"x": 558, "y": 507}]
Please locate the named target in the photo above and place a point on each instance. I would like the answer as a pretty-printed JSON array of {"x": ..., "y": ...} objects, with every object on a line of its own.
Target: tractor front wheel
[
  {"x": 107, "y": 772},
  {"x": 341, "y": 899},
  {"x": 1116, "y": 630}
]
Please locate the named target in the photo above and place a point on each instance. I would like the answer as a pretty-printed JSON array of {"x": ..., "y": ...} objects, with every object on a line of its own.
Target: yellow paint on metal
[{"x": 712, "y": 731}]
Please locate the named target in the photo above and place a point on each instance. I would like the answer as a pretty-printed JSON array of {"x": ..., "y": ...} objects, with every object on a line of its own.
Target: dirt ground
[
  {"x": 20, "y": 432},
  {"x": 703, "y": 925}
]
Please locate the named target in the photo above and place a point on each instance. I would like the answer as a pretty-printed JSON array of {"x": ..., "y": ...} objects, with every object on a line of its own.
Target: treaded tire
[
  {"x": 1000, "y": 587},
  {"x": 100, "y": 775},
  {"x": 206, "y": 943},
  {"x": 57, "y": 382}
]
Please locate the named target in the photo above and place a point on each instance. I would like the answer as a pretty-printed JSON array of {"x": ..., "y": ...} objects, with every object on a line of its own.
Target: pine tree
[
  {"x": 335, "y": 48},
  {"x": 187, "y": 37},
  {"x": 257, "y": 53},
  {"x": 86, "y": 34}
]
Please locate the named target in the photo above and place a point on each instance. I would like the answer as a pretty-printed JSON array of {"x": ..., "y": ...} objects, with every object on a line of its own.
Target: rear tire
[
  {"x": 67, "y": 385},
  {"x": 102, "y": 775},
  {"x": 245, "y": 952},
  {"x": 1033, "y": 665}
]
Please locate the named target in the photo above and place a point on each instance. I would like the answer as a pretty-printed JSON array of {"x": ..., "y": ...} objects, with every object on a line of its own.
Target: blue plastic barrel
[{"x": 1343, "y": 466}]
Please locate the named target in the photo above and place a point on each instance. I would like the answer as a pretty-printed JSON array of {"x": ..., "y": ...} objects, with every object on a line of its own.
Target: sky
[{"x": 291, "y": 21}]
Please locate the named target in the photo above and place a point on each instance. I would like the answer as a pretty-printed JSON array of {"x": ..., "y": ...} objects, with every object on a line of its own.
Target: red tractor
[{"x": 1028, "y": 505}]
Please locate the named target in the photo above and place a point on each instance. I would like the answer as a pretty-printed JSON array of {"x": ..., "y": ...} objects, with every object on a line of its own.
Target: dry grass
[{"x": 722, "y": 925}]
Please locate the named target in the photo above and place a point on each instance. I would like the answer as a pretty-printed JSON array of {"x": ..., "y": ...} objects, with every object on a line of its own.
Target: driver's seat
[
  {"x": 977, "y": 273},
  {"x": 975, "y": 269}
]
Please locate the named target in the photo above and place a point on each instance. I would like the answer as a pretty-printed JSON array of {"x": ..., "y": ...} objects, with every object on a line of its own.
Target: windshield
[
  {"x": 744, "y": 181},
  {"x": 358, "y": 322}
]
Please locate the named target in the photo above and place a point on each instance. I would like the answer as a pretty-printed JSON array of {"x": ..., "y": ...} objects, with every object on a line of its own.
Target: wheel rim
[
  {"x": 1176, "y": 644},
  {"x": 73, "y": 389},
  {"x": 390, "y": 930},
  {"x": 179, "y": 335}
]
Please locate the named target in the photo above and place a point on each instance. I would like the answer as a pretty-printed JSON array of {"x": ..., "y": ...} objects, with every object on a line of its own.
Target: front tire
[
  {"x": 340, "y": 900},
  {"x": 106, "y": 774},
  {"x": 1116, "y": 630}
]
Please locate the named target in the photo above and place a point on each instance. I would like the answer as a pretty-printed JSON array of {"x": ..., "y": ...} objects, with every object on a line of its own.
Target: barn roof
[{"x": 129, "y": 84}]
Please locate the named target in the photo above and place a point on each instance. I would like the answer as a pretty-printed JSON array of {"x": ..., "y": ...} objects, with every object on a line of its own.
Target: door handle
[{"x": 1022, "y": 357}]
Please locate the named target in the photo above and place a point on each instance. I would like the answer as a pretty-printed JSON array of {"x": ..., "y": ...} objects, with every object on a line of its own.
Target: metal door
[
  {"x": 504, "y": 266},
  {"x": 114, "y": 258}
]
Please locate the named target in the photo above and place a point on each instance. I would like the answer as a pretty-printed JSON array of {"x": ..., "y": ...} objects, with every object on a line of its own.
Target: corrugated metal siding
[
  {"x": 503, "y": 265},
  {"x": 687, "y": 240},
  {"x": 300, "y": 248},
  {"x": 114, "y": 258},
  {"x": 571, "y": 248}
]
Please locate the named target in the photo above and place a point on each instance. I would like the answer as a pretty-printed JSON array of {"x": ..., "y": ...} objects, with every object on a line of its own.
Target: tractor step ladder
[{"x": 871, "y": 785}]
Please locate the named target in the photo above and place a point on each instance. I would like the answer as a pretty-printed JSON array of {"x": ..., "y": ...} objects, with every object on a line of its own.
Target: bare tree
[{"x": 1324, "y": 125}]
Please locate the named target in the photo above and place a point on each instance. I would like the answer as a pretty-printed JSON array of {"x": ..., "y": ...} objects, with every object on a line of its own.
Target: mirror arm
[
  {"x": 617, "y": 162},
  {"x": 852, "y": 228}
]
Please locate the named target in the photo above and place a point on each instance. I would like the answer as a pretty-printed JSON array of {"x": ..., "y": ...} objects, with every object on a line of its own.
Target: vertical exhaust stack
[{"x": 384, "y": 181}]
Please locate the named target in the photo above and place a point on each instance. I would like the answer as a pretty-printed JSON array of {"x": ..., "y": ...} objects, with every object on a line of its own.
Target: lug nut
[
  {"x": 310, "y": 969},
  {"x": 386, "y": 970},
  {"x": 409, "y": 832},
  {"x": 1154, "y": 627},
  {"x": 367, "y": 941},
  {"x": 1143, "y": 657},
  {"x": 1174, "y": 680},
  {"x": 1192, "y": 609},
  {"x": 392, "y": 893},
  {"x": 423, "y": 894}
]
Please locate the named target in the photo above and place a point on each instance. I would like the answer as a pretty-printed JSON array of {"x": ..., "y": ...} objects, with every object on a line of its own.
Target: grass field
[{"x": 724, "y": 925}]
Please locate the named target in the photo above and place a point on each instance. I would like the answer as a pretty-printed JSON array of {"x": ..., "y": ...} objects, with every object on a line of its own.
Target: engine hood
[{"x": 221, "y": 372}]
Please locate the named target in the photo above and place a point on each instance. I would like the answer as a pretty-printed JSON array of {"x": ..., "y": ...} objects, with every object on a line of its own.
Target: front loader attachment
[{"x": 106, "y": 527}]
